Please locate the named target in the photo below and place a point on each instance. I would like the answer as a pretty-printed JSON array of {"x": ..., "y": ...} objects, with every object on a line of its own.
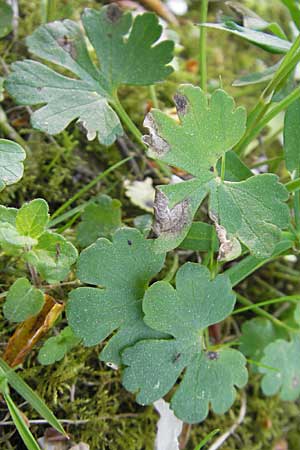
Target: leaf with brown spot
[{"x": 31, "y": 331}]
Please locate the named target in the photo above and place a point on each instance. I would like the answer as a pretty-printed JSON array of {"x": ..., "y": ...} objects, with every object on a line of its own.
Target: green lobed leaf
[
  {"x": 123, "y": 269},
  {"x": 22, "y": 301},
  {"x": 193, "y": 147},
  {"x": 257, "y": 333},
  {"x": 291, "y": 137},
  {"x": 128, "y": 53},
  {"x": 55, "y": 348},
  {"x": 32, "y": 218},
  {"x": 12, "y": 156},
  {"x": 252, "y": 211},
  {"x": 285, "y": 357},
  {"x": 154, "y": 365},
  {"x": 99, "y": 219},
  {"x": 205, "y": 132},
  {"x": 52, "y": 257}
]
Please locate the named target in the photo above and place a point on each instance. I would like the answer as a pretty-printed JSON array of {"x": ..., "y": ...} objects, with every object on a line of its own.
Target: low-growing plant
[{"x": 163, "y": 331}]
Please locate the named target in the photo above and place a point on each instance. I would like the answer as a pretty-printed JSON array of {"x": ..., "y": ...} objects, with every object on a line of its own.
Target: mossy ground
[{"x": 80, "y": 388}]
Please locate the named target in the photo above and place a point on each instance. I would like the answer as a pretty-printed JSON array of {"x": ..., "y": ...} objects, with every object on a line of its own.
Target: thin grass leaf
[
  {"x": 20, "y": 424},
  {"x": 30, "y": 396}
]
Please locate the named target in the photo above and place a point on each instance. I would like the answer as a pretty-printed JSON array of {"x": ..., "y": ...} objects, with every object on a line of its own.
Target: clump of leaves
[
  {"x": 124, "y": 59},
  {"x": 24, "y": 232}
]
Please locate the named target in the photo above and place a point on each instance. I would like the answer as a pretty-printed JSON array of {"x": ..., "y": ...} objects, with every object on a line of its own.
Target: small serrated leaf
[
  {"x": 32, "y": 218},
  {"x": 22, "y": 301}
]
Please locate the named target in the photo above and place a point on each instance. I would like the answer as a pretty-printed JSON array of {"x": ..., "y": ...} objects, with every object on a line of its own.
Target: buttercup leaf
[
  {"x": 100, "y": 219},
  {"x": 252, "y": 211},
  {"x": 52, "y": 257},
  {"x": 284, "y": 358},
  {"x": 23, "y": 301},
  {"x": 12, "y": 156},
  {"x": 123, "y": 269},
  {"x": 134, "y": 59},
  {"x": 257, "y": 333},
  {"x": 207, "y": 130},
  {"x": 154, "y": 365},
  {"x": 55, "y": 348},
  {"x": 32, "y": 218}
]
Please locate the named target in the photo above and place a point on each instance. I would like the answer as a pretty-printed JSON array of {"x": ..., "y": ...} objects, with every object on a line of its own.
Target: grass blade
[{"x": 16, "y": 382}]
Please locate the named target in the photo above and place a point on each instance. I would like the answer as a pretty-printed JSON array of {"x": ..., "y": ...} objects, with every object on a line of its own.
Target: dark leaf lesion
[{"x": 169, "y": 220}]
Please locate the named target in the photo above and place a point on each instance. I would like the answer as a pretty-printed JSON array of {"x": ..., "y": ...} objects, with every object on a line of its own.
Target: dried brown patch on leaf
[
  {"x": 181, "y": 104},
  {"x": 68, "y": 45},
  {"x": 169, "y": 220},
  {"x": 113, "y": 13},
  {"x": 230, "y": 247},
  {"x": 154, "y": 141}
]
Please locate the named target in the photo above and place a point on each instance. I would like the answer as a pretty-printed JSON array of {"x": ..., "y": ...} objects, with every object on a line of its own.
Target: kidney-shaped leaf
[
  {"x": 55, "y": 348},
  {"x": 154, "y": 365},
  {"x": 123, "y": 269},
  {"x": 132, "y": 59},
  {"x": 283, "y": 376},
  {"x": 23, "y": 300},
  {"x": 12, "y": 156}
]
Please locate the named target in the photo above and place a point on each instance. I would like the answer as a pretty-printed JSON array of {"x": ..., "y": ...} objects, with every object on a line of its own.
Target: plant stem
[
  {"x": 289, "y": 298},
  {"x": 261, "y": 312},
  {"x": 89, "y": 186},
  {"x": 287, "y": 65},
  {"x": 153, "y": 96},
  {"x": 202, "y": 52},
  {"x": 127, "y": 121},
  {"x": 223, "y": 166},
  {"x": 289, "y": 99},
  {"x": 48, "y": 8}
]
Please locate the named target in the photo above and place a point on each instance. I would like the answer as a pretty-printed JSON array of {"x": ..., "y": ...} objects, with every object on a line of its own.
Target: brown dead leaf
[{"x": 28, "y": 333}]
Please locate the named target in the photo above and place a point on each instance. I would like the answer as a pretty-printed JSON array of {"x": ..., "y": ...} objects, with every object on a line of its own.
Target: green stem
[
  {"x": 262, "y": 313},
  {"x": 287, "y": 65},
  {"x": 289, "y": 298},
  {"x": 223, "y": 166},
  {"x": 89, "y": 186},
  {"x": 10, "y": 132},
  {"x": 48, "y": 8},
  {"x": 202, "y": 53},
  {"x": 173, "y": 269},
  {"x": 266, "y": 119},
  {"x": 153, "y": 96},
  {"x": 128, "y": 122}
]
